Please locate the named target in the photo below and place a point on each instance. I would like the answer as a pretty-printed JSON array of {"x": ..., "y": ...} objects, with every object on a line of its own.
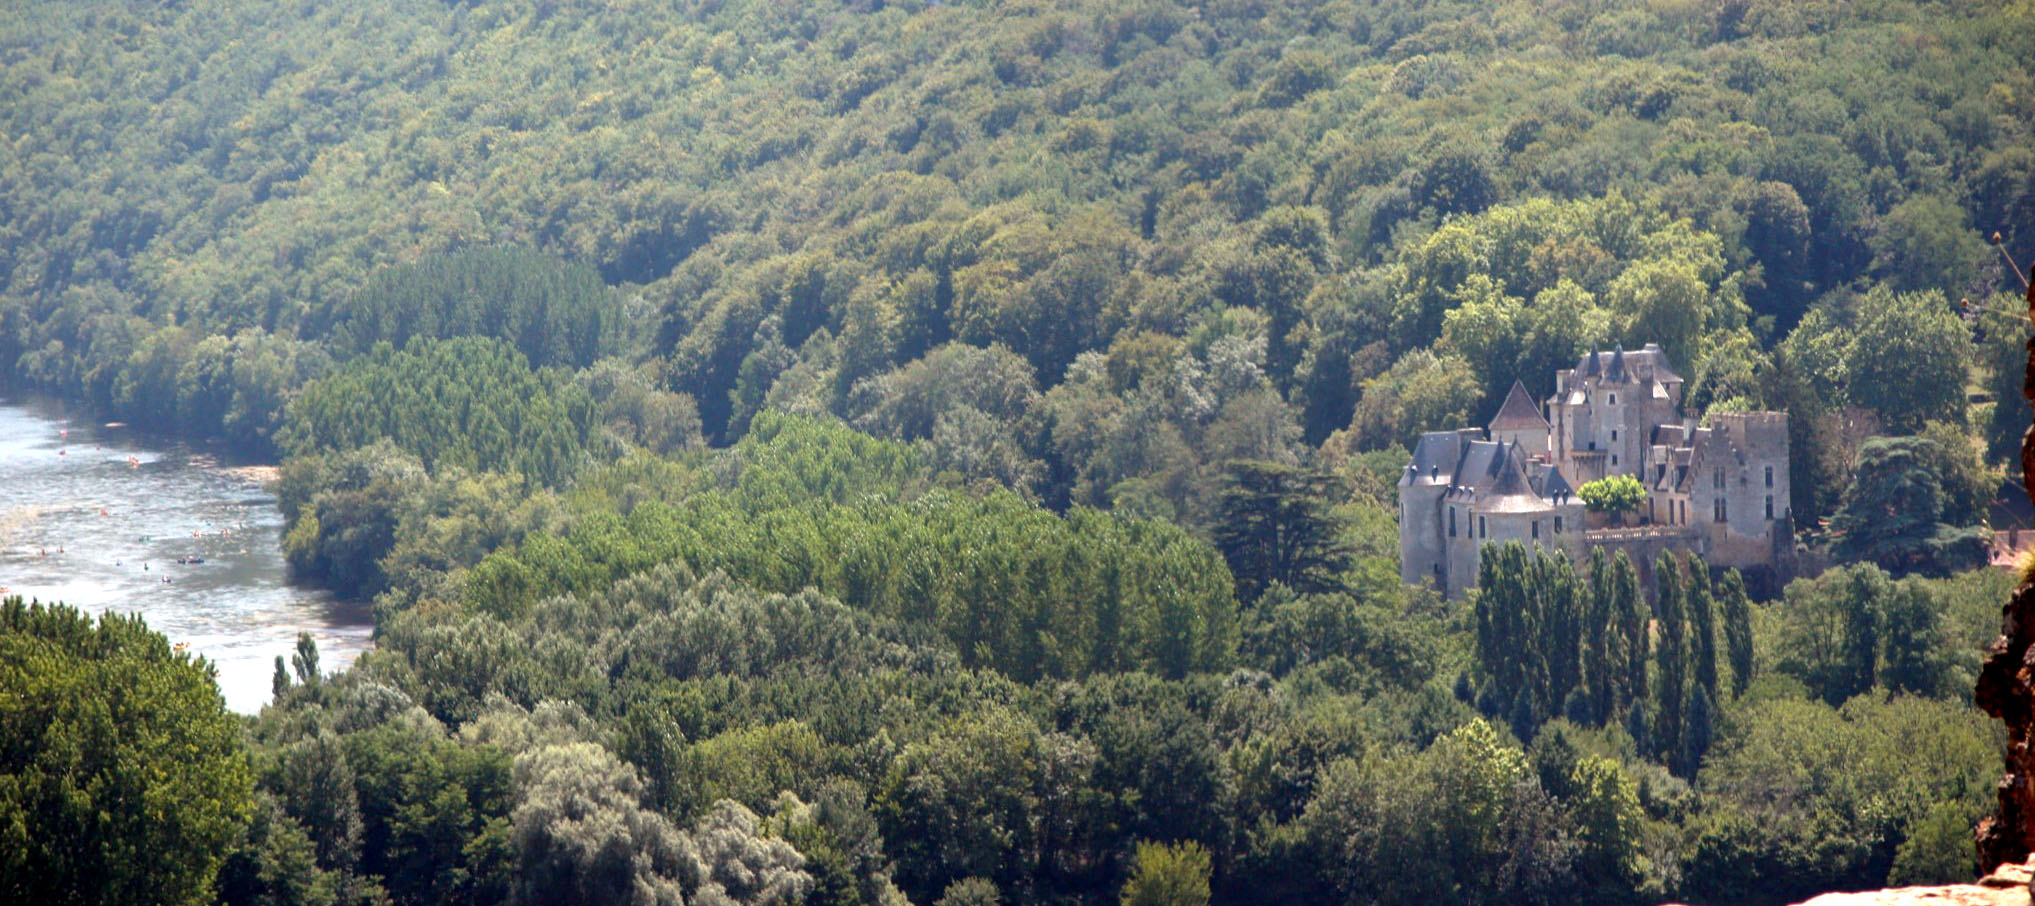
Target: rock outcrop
[
  {"x": 2007, "y": 886},
  {"x": 2006, "y": 687}
]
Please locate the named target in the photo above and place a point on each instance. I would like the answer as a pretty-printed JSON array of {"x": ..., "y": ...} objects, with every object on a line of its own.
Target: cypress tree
[
  {"x": 1672, "y": 656},
  {"x": 1737, "y": 632}
]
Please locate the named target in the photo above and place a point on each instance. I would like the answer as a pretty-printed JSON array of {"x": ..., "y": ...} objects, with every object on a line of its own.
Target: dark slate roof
[
  {"x": 1618, "y": 366},
  {"x": 1518, "y": 412},
  {"x": 1434, "y": 458},
  {"x": 1554, "y": 485},
  {"x": 1479, "y": 465},
  {"x": 1510, "y": 491}
]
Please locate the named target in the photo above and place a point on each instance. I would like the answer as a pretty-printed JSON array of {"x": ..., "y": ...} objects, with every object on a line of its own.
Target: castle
[{"x": 1715, "y": 487}]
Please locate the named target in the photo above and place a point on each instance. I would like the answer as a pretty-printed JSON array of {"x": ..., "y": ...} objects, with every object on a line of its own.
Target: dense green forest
[{"x": 944, "y": 452}]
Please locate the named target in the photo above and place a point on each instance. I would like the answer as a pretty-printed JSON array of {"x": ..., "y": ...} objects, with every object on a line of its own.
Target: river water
[{"x": 97, "y": 516}]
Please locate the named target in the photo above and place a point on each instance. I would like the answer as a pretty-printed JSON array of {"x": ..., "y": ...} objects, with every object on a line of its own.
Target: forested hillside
[{"x": 868, "y": 452}]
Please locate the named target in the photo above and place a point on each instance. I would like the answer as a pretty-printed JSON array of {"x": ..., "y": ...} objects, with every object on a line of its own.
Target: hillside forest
[{"x": 889, "y": 452}]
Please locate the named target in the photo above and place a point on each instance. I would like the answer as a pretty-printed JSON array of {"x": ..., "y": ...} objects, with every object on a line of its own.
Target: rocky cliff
[
  {"x": 2006, "y": 886},
  {"x": 2006, "y": 686}
]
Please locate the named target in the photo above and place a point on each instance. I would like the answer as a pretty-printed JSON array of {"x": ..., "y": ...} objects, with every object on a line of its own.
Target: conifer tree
[{"x": 1274, "y": 524}]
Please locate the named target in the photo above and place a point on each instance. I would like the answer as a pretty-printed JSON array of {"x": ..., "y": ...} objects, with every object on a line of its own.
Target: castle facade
[{"x": 1717, "y": 486}]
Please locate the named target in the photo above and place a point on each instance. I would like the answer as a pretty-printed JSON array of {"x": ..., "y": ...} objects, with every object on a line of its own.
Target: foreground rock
[
  {"x": 2006, "y": 689},
  {"x": 2006, "y": 887}
]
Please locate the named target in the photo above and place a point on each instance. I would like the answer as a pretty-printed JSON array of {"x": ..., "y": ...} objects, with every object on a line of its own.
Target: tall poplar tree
[
  {"x": 1603, "y": 659},
  {"x": 1672, "y": 656},
  {"x": 1737, "y": 632},
  {"x": 1702, "y": 626},
  {"x": 1630, "y": 612}
]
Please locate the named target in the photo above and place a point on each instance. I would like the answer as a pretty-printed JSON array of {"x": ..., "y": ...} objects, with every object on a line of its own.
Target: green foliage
[
  {"x": 1907, "y": 359},
  {"x": 1168, "y": 876},
  {"x": 466, "y": 403},
  {"x": 122, "y": 779},
  {"x": 1082, "y": 254},
  {"x": 1853, "y": 628},
  {"x": 554, "y": 312},
  {"x": 1421, "y": 392},
  {"x": 1389, "y": 827},
  {"x": 1897, "y": 511},
  {"x": 1012, "y": 586},
  {"x": 1618, "y": 494},
  {"x": 1811, "y": 798},
  {"x": 1274, "y": 524}
]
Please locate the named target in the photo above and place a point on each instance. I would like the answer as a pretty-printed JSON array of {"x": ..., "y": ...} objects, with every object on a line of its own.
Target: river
[{"x": 97, "y": 516}]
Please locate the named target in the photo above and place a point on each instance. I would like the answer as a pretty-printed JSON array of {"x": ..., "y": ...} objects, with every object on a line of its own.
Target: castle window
[
  {"x": 1614, "y": 402},
  {"x": 1558, "y": 525},
  {"x": 1770, "y": 506},
  {"x": 1614, "y": 435},
  {"x": 1717, "y": 478},
  {"x": 1769, "y": 478},
  {"x": 1536, "y": 530},
  {"x": 1717, "y": 510},
  {"x": 1614, "y": 459},
  {"x": 1483, "y": 530},
  {"x": 1452, "y": 522}
]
